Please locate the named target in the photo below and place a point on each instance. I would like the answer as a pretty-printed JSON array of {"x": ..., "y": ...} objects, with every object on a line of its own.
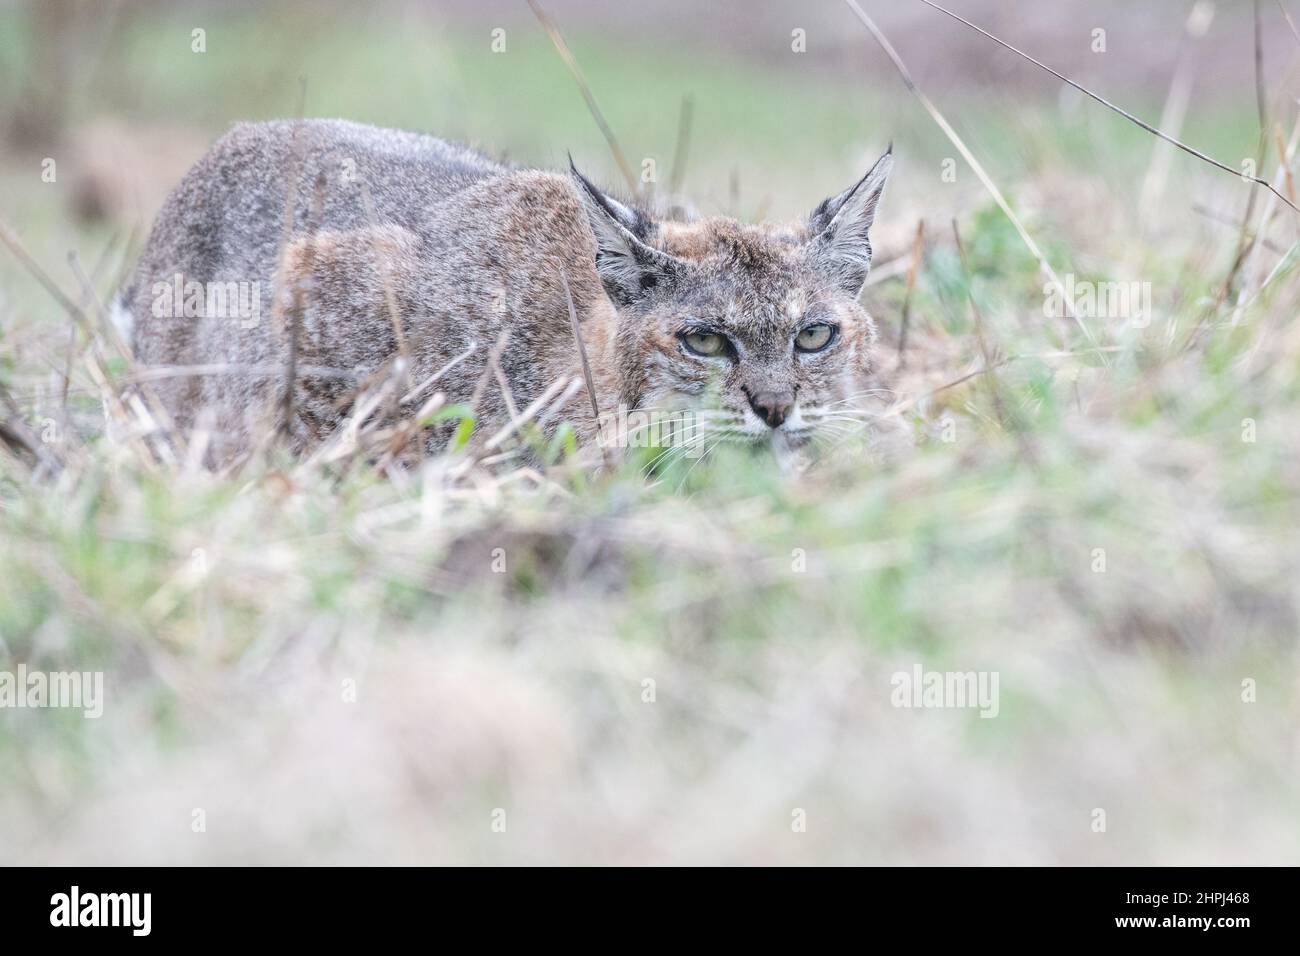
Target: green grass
[{"x": 499, "y": 632}]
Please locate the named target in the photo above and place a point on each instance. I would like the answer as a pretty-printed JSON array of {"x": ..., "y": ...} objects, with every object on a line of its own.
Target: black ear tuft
[
  {"x": 627, "y": 266},
  {"x": 629, "y": 217}
]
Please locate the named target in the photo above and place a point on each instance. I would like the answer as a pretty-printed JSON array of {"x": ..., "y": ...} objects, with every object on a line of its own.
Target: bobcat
[{"x": 403, "y": 244}]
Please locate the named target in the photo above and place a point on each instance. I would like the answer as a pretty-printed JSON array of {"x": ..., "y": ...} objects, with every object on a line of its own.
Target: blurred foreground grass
[{"x": 338, "y": 666}]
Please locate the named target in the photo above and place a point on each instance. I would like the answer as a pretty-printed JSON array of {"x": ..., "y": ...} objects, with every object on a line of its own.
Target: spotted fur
[{"x": 398, "y": 239}]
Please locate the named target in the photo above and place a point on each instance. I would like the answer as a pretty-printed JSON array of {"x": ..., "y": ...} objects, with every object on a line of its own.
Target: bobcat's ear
[
  {"x": 838, "y": 227},
  {"x": 627, "y": 266}
]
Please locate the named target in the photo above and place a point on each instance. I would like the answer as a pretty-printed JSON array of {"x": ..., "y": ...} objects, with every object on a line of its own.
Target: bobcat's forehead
[
  {"x": 746, "y": 246},
  {"x": 755, "y": 280}
]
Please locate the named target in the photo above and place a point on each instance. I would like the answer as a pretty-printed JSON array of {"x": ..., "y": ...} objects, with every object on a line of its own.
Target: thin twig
[
  {"x": 1246, "y": 241},
  {"x": 1111, "y": 106},
  {"x": 14, "y": 244},
  {"x": 503, "y": 383},
  {"x": 582, "y": 348},
  {"x": 385, "y": 276},
  {"x": 917, "y": 246},
  {"x": 566, "y": 55},
  {"x": 1289, "y": 22},
  {"x": 563, "y": 387},
  {"x": 298, "y": 304},
  {"x": 10, "y": 239},
  {"x": 418, "y": 390},
  {"x": 974, "y": 164},
  {"x": 156, "y": 408},
  {"x": 586, "y": 365},
  {"x": 907, "y": 403},
  {"x": 286, "y": 299},
  {"x": 1282, "y": 158},
  {"x": 885, "y": 271},
  {"x": 489, "y": 369},
  {"x": 1175, "y": 110},
  {"x": 405, "y": 431},
  {"x": 684, "y": 121},
  {"x": 1261, "y": 95},
  {"x": 994, "y": 390},
  {"x": 1215, "y": 216},
  {"x": 156, "y": 373},
  {"x": 1265, "y": 217},
  {"x": 67, "y": 366}
]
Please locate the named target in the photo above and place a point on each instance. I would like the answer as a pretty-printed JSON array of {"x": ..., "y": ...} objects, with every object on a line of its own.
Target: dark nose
[{"x": 772, "y": 407}]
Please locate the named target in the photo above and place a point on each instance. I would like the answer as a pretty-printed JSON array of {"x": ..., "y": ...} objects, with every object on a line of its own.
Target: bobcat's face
[
  {"x": 768, "y": 347},
  {"x": 756, "y": 329}
]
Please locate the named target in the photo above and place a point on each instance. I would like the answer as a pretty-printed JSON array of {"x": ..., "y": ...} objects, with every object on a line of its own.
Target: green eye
[
  {"x": 705, "y": 343},
  {"x": 814, "y": 338}
]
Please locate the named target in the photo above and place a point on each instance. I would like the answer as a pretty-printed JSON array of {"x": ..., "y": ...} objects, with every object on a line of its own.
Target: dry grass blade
[
  {"x": 1282, "y": 158},
  {"x": 915, "y": 400},
  {"x": 167, "y": 430},
  {"x": 346, "y": 440},
  {"x": 586, "y": 365},
  {"x": 110, "y": 394},
  {"x": 566, "y": 55},
  {"x": 16, "y": 435},
  {"x": 502, "y": 340},
  {"x": 385, "y": 274},
  {"x": 1246, "y": 239},
  {"x": 297, "y": 306},
  {"x": 1254, "y": 242},
  {"x": 582, "y": 347},
  {"x": 503, "y": 383},
  {"x": 405, "y": 432},
  {"x": 918, "y": 244},
  {"x": 158, "y": 373},
  {"x": 678, "y": 174},
  {"x": 1289, "y": 22},
  {"x": 1190, "y": 150},
  {"x": 1174, "y": 112},
  {"x": 1261, "y": 95},
  {"x": 564, "y": 388},
  {"x": 14, "y": 244},
  {"x": 974, "y": 163},
  {"x": 887, "y": 270},
  {"x": 994, "y": 390},
  {"x": 290, "y": 300},
  {"x": 420, "y": 389}
]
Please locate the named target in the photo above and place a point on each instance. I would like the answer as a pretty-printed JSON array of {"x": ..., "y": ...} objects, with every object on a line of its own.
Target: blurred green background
[
  {"x": 1121, "y": 690},
  {"x": 115, "y": 93}
]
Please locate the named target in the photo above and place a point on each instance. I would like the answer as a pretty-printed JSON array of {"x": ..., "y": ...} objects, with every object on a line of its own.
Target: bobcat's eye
[
  {"x": 814, "y": 338},
  {"x": 708, "y": 344}
]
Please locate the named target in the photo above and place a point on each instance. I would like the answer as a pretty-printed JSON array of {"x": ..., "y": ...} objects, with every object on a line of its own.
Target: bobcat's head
[{"x": 757, "y": 328}]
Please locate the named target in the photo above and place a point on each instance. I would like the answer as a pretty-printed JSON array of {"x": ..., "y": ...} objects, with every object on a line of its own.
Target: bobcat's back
[
  {"x": 381, "y": 219},
  {"x": 397, "y": 244}
]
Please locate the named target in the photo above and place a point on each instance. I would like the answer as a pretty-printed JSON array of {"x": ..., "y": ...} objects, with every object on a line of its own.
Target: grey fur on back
[
  {"x": 224, "y": 223},
  {"x": 464, "y": 249}
]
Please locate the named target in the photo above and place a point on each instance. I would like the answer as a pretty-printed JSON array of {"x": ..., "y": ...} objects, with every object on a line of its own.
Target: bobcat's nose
[{"x": 772, "y": 407}]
